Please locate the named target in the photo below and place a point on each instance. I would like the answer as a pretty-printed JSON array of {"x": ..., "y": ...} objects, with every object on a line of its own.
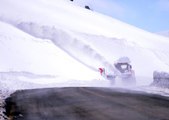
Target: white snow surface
[
  {"x": 164, "y": 33},
  {"x": 58, "y": 43}
]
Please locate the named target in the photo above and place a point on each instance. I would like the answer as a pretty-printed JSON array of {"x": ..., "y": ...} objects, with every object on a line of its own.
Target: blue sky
[{"x": 150, "y": 15}]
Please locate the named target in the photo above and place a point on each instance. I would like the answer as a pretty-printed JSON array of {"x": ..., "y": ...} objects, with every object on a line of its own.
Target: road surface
[{"x": 85, "y": 103}]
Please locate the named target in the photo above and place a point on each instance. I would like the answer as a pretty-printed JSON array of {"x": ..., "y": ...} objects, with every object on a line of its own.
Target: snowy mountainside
[
  {"x": 22, "y": 52},
  {"x": 164, "y": 33},
  {"x": 67, "y": 42},
  {"x": 103, "y": 53},
  {"x": 90, "y": 38}
]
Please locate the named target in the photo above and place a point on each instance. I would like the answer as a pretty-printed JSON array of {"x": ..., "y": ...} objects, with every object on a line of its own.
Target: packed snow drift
[{"x": 161, "y": 79}]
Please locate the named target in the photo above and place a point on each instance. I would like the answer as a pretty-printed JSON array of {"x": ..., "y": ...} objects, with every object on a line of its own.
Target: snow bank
[
  {"x": 99, "y": 51},
  {"x": 22, "y": 52},
  {"x": 75, "y": 47},
  {"x": 90, "y": 38},
  {"x": 161, "y": 79}
]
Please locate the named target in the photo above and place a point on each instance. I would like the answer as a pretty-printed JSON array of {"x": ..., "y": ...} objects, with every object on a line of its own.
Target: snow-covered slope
[
  {"x": 22, "y": 52},
  {"x": 164, "y": 33},
  {"x": 90, "y": 38}
]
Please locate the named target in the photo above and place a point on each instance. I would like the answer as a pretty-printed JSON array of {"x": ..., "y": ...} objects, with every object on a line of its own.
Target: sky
[{"x": 150, "y": 15}]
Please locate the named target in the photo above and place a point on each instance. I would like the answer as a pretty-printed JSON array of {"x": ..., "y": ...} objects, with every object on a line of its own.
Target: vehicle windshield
[{"x": 122, "y": 67}]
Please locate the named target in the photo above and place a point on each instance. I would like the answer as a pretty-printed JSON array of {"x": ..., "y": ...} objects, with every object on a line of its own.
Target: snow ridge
[
  {"x": 73, "y": 46},
  {"x": 161, "y": 79}
]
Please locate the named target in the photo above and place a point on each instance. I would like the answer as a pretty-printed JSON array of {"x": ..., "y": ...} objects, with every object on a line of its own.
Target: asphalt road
[{"x": 86, "y": 104}]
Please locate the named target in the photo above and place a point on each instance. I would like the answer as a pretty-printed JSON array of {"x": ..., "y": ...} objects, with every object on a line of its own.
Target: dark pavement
[{"x": 86, "y": 104}]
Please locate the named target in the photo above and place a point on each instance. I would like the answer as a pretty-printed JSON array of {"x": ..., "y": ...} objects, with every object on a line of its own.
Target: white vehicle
[{"x": 122, "y": 70}]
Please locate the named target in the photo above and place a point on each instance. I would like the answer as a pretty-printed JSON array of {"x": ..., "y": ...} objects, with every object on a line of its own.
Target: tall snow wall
[{"x": 160, "y": 79}]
